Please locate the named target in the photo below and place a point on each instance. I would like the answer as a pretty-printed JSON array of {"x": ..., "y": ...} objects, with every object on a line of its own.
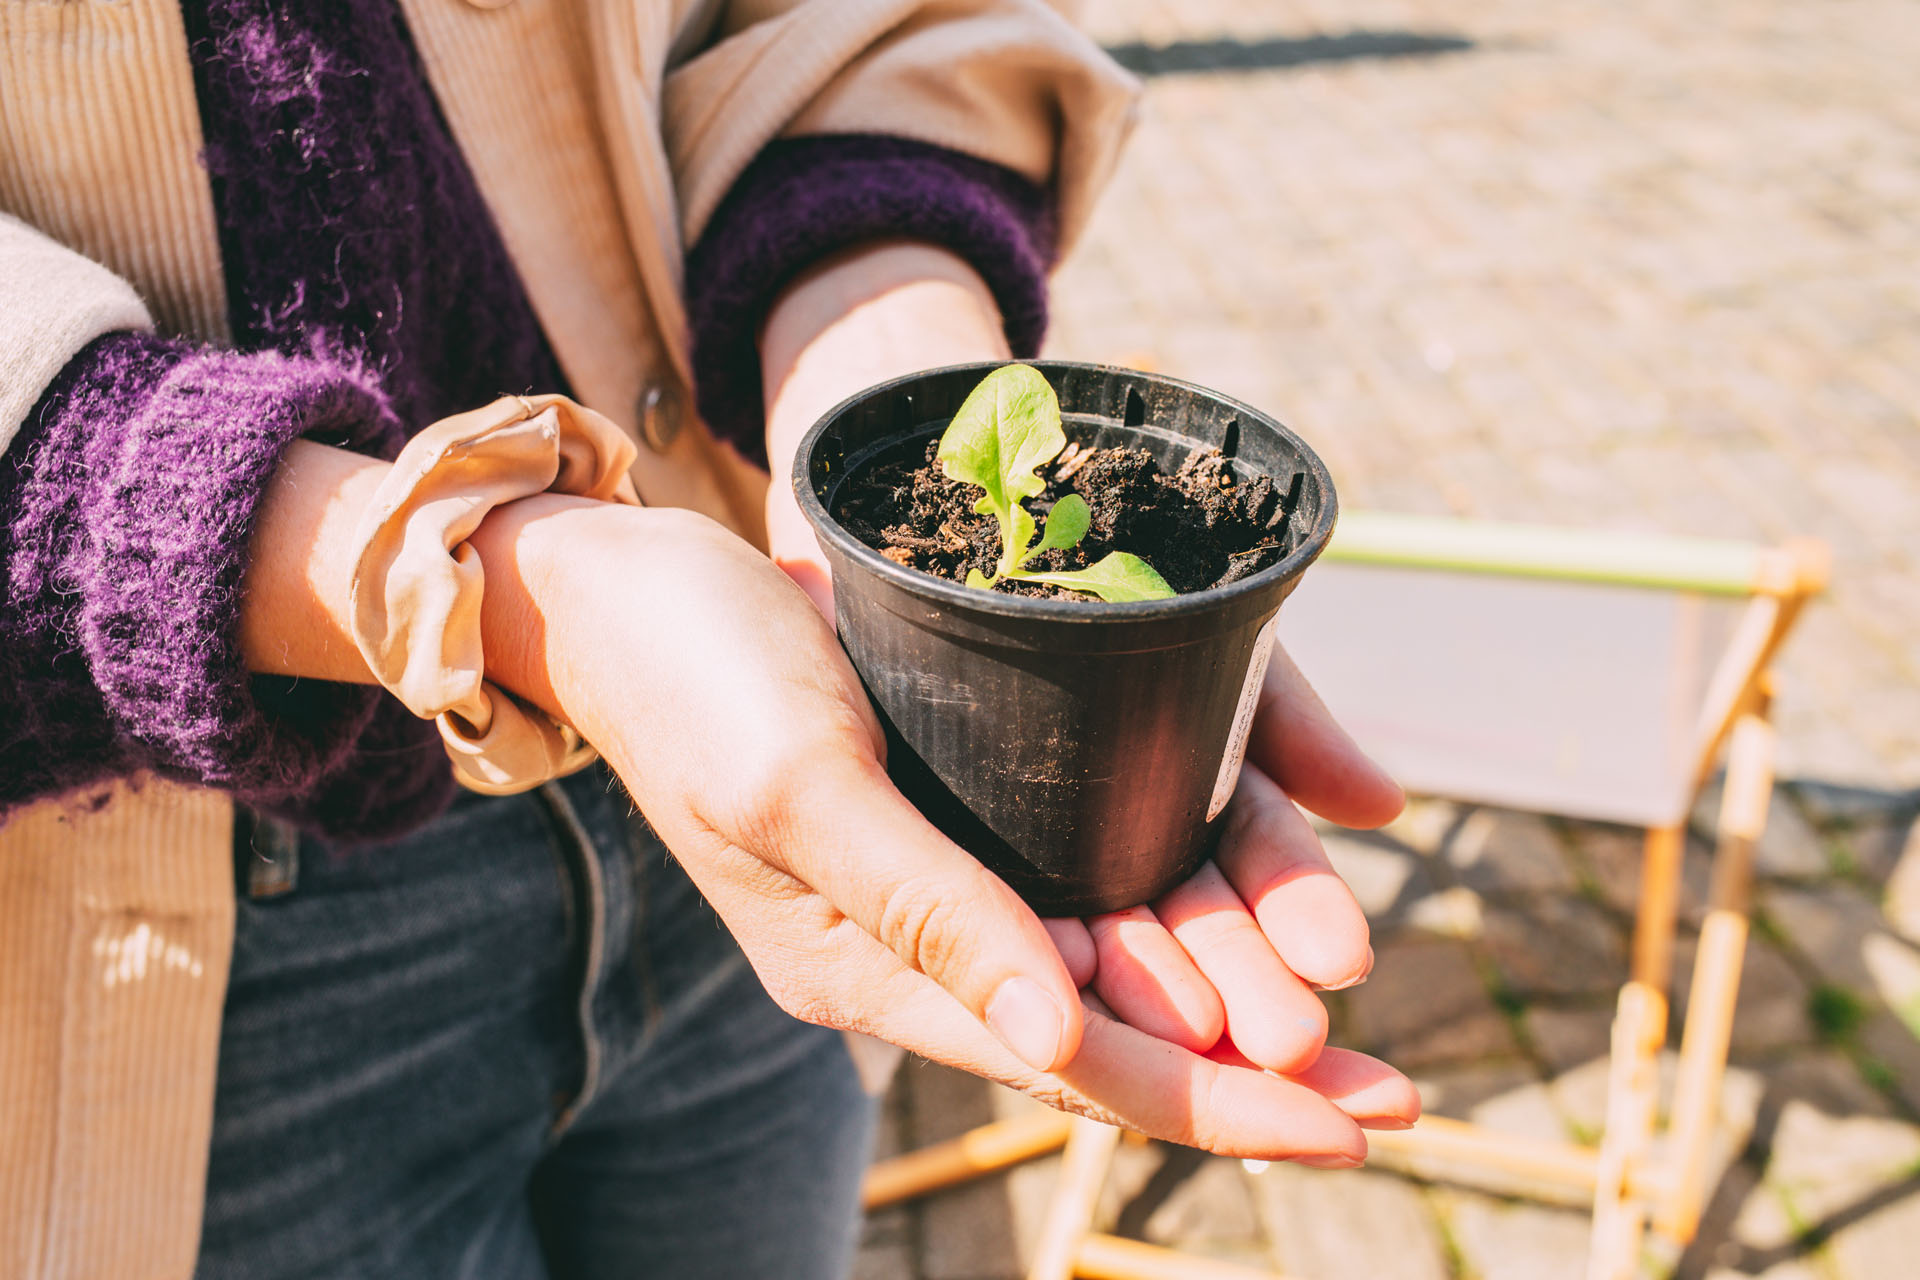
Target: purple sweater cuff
[
  {"x": 803, "y": 199},
  {"x": 127, "y": 506}
]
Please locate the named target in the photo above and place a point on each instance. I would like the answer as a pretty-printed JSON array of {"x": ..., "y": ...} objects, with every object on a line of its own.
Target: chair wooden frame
[{"x": 1630, "y": 1184}]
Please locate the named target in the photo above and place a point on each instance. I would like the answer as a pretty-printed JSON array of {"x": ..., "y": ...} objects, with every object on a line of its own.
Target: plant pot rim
[{"x": 943, "y": 591}]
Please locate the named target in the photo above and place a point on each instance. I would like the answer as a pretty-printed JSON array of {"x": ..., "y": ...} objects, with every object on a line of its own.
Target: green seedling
[{"x": 1008, "y": 428}]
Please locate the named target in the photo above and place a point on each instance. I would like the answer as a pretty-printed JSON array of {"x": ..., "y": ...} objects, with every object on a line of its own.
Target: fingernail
[
  {"x": 1328, "y": 1162},
  {"x": 1384, "y": 1122},
  {"x": 1028, "y": 1021},
  {"x": 1358, "y": 978}
]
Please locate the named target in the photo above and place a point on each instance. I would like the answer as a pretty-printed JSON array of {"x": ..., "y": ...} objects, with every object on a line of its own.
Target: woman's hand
[
  {"x": 1231, "y": 957},
  {"x": 719, "y": 694}
]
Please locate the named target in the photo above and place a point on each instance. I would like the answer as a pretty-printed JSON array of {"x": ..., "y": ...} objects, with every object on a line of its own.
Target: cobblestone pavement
[{"x": 1632, "y": 266}]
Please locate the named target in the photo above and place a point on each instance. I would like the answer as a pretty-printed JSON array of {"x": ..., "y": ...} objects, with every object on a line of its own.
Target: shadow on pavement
[
  {"x": 1714, "y": 1249},
  {"x": 1192, "y": 57}
]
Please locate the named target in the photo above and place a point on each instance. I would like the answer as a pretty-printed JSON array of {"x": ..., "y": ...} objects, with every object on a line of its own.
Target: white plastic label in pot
[{"x": 1229, "y": 776}]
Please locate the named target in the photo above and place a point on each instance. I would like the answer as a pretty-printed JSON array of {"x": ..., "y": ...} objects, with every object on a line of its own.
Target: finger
[
  {"x": 1273, "y": 859},
  {"x": 1300, "y": 746},
  {"x": 1271, "y": 1016},
  {"x": 1367, "y": 1089},
  {"x": 1150, "y": 982},
  {"x": 811, "y": 577},
  {"x": 1124, "y": 1076},
  {"x": 1075, "y": 945},
  {"x": 1120, "y": 1076},
  {"x": 1373, "y": 1093},
  {"x": 847, "y": 833},
  {"x": 1165, "y": 1091}
]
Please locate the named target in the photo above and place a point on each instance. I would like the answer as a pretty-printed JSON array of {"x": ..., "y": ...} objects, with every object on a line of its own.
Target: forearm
[
  {"x": 859, "y": 318},
  {"x": 294, "y": 614},
  {"x": 856, "y": 319},
  {"x": 871, "y": 313}
]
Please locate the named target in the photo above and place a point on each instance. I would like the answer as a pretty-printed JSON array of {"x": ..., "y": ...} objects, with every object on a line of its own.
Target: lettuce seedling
[{"x": 1007, "y": 429}]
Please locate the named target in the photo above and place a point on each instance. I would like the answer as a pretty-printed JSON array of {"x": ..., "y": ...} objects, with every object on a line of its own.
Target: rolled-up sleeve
[
  {"x": 801, "y": 128},
  {"x": 128, "y": 502}
]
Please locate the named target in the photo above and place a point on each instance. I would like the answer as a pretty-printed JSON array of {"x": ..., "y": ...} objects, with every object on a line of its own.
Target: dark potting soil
[{"x": 1201, "y": 527}]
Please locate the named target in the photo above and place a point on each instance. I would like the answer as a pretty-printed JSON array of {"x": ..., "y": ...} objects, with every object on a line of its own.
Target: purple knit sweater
[{"x": 369, "y": 293}]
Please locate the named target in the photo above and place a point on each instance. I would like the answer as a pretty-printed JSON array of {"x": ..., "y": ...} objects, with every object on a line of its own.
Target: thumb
[{"x": 864, "y": 848}]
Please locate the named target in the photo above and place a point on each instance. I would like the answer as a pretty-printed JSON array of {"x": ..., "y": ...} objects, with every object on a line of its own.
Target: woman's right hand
[{"x": 718, "y": 693}]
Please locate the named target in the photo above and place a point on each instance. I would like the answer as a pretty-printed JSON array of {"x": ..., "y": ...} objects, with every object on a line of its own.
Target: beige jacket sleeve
[
  {"x": 1011, "y": 81},
  {"x": 53, "y": 302}
]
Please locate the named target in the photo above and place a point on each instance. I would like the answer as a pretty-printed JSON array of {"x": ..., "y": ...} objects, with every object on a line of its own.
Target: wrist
[
  {"x": 295, "y": 614},
  {"x": 530, "y": 552}
]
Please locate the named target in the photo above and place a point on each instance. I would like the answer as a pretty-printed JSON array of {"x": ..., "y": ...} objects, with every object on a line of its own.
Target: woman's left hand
[{"x": 1227, "y": 963}]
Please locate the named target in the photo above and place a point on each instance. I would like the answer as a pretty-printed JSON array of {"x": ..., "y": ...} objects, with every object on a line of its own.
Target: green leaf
[
  {"x": 1007, "y": 427},
  {"x": 1067, "y": 523},
  {"x": 977, "y": 579},
  {"x": 1117, "y": 577}
]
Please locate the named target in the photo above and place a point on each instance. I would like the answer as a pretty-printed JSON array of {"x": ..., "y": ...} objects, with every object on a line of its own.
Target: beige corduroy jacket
[{"x": 603, "y": 133}]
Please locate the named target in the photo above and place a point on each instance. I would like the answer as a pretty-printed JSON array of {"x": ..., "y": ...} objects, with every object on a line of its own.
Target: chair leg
[
  {"x": 1633, "y": 1080},
  {"x": 1069, "y": 1219},
  {"x": 1716, "y": 973},
  {"x": 984, "y": 1150},
  {"x": 1104, "y": 1257}
]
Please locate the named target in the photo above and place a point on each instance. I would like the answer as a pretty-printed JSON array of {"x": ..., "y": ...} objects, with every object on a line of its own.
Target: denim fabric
[{"x": 517, "y": 1046}]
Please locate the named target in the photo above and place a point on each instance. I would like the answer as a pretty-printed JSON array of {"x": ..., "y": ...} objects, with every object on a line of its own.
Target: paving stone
[
  {"x": 886, "y": 1249},
  {"x": 973, "y": 1231},
  {"x": 1836, "y": 1153},
  {"x": 1451, "y": 913},
  {"x": 1423, "y": 825},
  {"x": 1830, "y": 925},
  {"x": 1328, "y": 1224},
  {"x": 1894, "y": 965},
  {"x": 1425, "y": 1004},
  {"x": 886, "y": 1246},
  {"x": 1762, "y": 1240},
  {"x": 1385, "y": 880},
  {"x": 1507, "y": 1096},
  {"x": 1566, "y": 1038},
  {"x": 1556, "y": 946},
  {"x": 1514, "y": 1240},
  {"x": 889, "y": 1136},
  {"x": 1212, "y": 1213},
  {"x": 1842, "y": 933},
  {"x": 1902, "y": 903},
  {"x": 1613, "y": 855},
  {"x": 1876, "y": 848},
  {"x": 1893, "y": 1054},
  {"x": 1501, "y": 851},
  {"x": 1881, "y": 1242}
]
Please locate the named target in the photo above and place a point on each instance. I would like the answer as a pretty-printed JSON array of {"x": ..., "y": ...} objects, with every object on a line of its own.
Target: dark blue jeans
[{"x": 516, "y": 1046}]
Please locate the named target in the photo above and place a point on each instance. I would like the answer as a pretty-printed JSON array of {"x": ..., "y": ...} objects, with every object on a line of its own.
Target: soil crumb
[{"x": 1200, "y": 527}]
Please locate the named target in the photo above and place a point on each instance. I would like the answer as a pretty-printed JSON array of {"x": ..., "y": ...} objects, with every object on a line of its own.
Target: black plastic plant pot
[{"x": 1081, "y": 750}]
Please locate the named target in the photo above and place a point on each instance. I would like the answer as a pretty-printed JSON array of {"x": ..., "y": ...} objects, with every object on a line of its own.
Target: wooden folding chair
[{"x": 1595, "y": 676}]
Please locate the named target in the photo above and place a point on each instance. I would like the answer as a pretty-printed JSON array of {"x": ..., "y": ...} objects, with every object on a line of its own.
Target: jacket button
[{"x": 662, "y": 412}]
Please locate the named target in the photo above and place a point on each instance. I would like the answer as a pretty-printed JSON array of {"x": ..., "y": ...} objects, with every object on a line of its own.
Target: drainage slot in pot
[
  {"x": 1136, "y": 410},
  {"x": 1289, "y": 507},
  {"x": 1230, "y": 441}
]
